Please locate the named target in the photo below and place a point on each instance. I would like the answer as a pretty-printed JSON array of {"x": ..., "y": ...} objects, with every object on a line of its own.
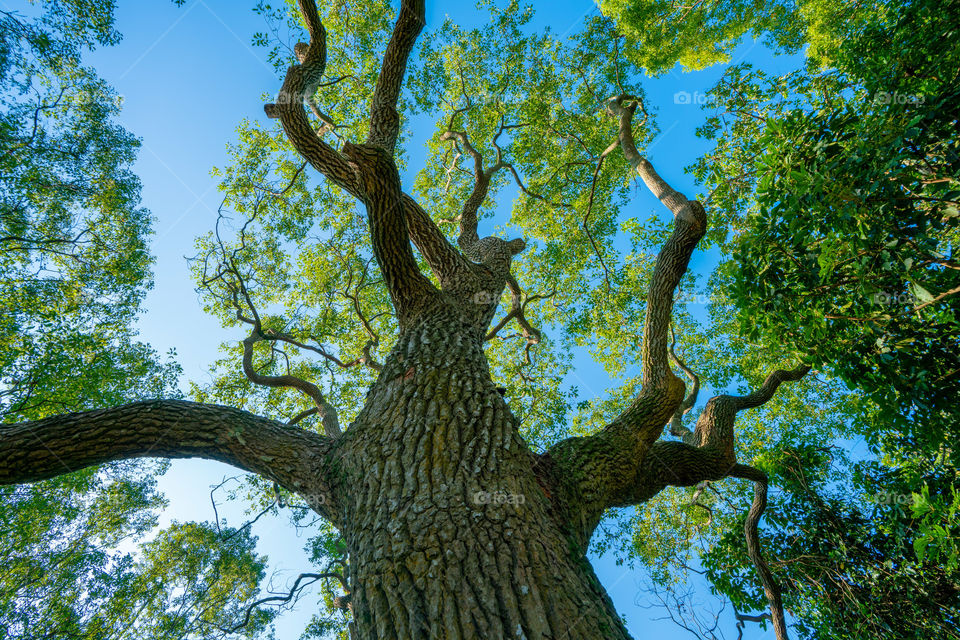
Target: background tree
[
  {"x": 836, "y": 184},
  {"x": 74, "y": 268}
]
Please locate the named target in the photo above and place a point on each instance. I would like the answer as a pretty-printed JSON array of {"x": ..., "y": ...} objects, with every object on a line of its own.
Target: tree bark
[
  {"x": 31, "y": 451},
  {"x": 450, "y": 526}
]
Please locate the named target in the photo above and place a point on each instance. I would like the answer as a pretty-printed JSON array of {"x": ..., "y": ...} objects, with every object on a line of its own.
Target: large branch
[
  {"x": 750, "y": 528},
  {"x": 301, "y": 83},
  {"x": 299, "y": 86},
  {"x": 389, "y": 234},
  {"x": 327, "y": 412},
  {"x": 710, "y": 455},
  {"x": 690, "y": 223},
  {"x": 678, "y": 464},
  {"x": 384, "y": 117},
  {"x": 492, "y": 249},
  {"x": 600, "y": 469},
  {"x": 769, "y": 387},
  {"x": 357, "y": 169},
  {"x": 444, "y": 260},
  {"x": 31, "y": 451}
]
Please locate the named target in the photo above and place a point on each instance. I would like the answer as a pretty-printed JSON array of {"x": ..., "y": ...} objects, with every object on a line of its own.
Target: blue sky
[{"x": 188, "y": 76}]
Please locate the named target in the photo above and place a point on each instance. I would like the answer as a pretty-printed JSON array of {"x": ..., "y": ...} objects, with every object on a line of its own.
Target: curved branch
[
  {"x": 710, "y": 455},
  {"x": 759, "y": 505},
  {"x": 41, "y": 449},
  {"x": 690, "y": 223},
  {"x": 300, "y": 85},
  {"x": 676, "y": 423},
  {"x": 678, "y": 464},
  {"x": 328, "y": 414},
  {"x": 384, "y": 117},
  {"x": 445, "y": 261},
  {"x": 601, "y": 470},
  {"x": 283, "y": 599},
  {"x": 769, "y": 387},
  {"x": 409, "y": 289}
]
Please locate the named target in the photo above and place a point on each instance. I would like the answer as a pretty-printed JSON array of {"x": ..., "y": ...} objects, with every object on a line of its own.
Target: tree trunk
[{"x": 450, "y": 532}]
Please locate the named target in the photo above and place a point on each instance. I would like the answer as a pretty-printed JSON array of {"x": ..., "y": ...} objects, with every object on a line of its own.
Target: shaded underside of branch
[{"x": 41, "y": 449}]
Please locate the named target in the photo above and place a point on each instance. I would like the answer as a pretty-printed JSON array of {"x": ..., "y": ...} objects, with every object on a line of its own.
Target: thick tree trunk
[{"x": 450, "y": 532}]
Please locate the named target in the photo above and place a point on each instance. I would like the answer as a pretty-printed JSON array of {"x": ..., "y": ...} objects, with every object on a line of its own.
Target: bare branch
[
  {"x": 676, "y": 423},
  {"x": 249, "y": 523},
  {"x": 769, "y": 387},
  {"x": 690, "y": 223},
  {"x": 328, "y": 414},
  {"x": 40, "y": 449},
  {"x": 300, "y": 85},
  {"x": 517, "y": 311},
  {"x": 283, "y": 599},
  {"x": 770, "y": 586}
]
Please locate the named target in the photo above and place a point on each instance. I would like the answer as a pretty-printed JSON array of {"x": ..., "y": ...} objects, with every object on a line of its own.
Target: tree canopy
[{"x": 831, "y": 198}]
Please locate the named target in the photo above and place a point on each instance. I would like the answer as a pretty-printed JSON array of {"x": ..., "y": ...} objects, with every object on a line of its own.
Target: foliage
[
  {"x": 837, "y": 185},
  {"x": 849, "y": 249},
  {"x": 73, "y": 259},
  {"x": 66, "y": 573},
  {"x": 660, "y": 34},
  {"x": 74, "y": 269},
  {"x": 843, "y": 544}
]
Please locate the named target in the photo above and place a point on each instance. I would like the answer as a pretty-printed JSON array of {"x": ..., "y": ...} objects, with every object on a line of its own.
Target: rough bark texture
[
  {"x": 454, "y": 528},
  {"x": 450, "y": 531},
  {"x": 31, "y": 451}
]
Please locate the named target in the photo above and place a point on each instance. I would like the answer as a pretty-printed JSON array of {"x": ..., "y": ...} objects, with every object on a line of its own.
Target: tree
[
  {"x": 869, "y": 273},
  {"x": 74, "y": 268},
  {"x": 452, "y": 524},
  {"x": 836, "y": 187}
]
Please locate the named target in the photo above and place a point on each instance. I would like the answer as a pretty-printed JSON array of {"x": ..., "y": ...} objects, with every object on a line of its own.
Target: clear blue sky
[{"x": 188, "y": 75}]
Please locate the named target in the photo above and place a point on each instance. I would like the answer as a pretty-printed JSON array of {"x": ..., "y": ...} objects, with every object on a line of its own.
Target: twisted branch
[
  {"x": 676, "y": 423},
  {"x": 759, "y": 505},
  {"x": 384, "y": 117},
  {"x": 517, "y": 311}
]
